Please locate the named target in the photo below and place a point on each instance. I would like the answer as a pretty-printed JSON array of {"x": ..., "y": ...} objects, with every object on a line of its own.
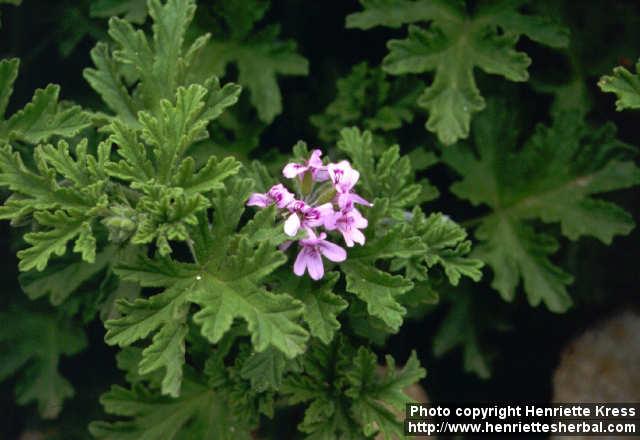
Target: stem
[
  {"x": 307, "y": 183},
  {"x": 192, "y": 250}
]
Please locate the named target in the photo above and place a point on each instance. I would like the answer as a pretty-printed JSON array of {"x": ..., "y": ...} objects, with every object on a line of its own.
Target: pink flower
[
  {"x": 305, "y": 216},
  {"x": 310, "y": 256},
  {"x": 344, "y": 178},
  {"x": 314, "y": 220},
  {"x": 348, "y": 221},
  {"x": 314, "y": 165},
  {"x": 348, "y": 199},
  {"x": 278, "y": 194}
]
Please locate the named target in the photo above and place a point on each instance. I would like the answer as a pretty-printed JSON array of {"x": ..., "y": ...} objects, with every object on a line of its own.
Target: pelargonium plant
[
  {"x": 325, "y": 200},
  {"x": 248, "y": 291},
  {"x": 216, "y": 330}
]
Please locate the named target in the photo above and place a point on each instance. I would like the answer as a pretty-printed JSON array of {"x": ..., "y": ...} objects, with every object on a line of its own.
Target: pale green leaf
[
  {"x": 143, "y": 316},
  {"x": 625, "y": 85},
  {"x": 271, "y": 318},
  {"x": 208, "y": 178},
  {"x": 45, "y": 117},
  {"x": 167, "y": 351},
  {"x": 322, "y": 305},
  {"x": 46, "y": 244},
  {"x": 379, "y": 290},
  {"x": 107, "y": 81}
]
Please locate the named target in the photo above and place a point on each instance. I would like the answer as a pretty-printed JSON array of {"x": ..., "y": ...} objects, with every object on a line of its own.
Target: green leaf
[
  {"x": 63, "y": 277},
  {"x": 45, "y": 117},
  {"x": 159, "y": 67},
  {"x": 170, "y": 23},
  {"x": 259, "y": 64},
  {"x": 170, "y": 133},
  {"x": 552, "y": 178},
  {"x": 167, "y": 351},
  {"x": 209, "y": 178},
  {"x": 515, "y": 251},
  {"x": 141, "y": 317},
  {"x": 136, "y": 165},
  {"x": 197, "y": 413},
  {"x": 8, "y": 75},
  {"x": 107, "y": 81},
  {"x": 260, "y": 56},
  {"x": 175, "y": 127},
  {"x": 165, "y": 214},
  {"x": 63, "y": 209},
  {"x": 265, "y": 370},
  {"x": 460, "y": 329},
  {"x": 264, "y": 227},
  {"x": 414, "y": 243},
  {"x": 80, "y": 186},
  {"x": 226, "y": 284},
  {"x": 625, "y": 85},
  {"x": 271, "y": 318},
  {"x": 366, "y": 97},
  {"x": 233, "y": 381},
  {"x": 33, "y": 344},
  {"x": 348, "y": 396},
  {"x": 389, "y": 176},
  {"x": 452, "y": 45},
  {"x": 321, "y": 305},
  {"x": 134, "y": 11},
  {"x": 220, "y": 98},
  {"x": 54, "y": 241},
  {"x": 373, "y": 395},
  {"x": 379, "y": 290},
  {"x": 446, "y": 245}
]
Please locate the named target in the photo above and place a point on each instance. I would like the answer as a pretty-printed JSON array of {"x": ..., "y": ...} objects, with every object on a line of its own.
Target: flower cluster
[{"x": 325, "y": 200}]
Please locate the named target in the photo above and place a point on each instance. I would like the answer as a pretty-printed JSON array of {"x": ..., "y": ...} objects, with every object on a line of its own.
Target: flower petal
[
  {"x": 291, "y": 170},
  {"x": 314, "y": 264},
  {"x": 348, "y": 198},
  {"x": 330, "y": 221},
  {"x": 320, "y": 174},
  {"x": 357, "y": 199},
  {"x": 280, "y": 195},
  {"x": 301, "y": 262},
  {"x": 257, "y": 199},
  {"x": 351, "y": 178},
  {"x": 314, "y": 160},
  {"x": 332, "y": 251},
  {"x": 358, "y": 220},
  {"x": 292, "y": 225},
  {"x": 357, "y": 236},
  {"x": 326, "y": 213},
  {"x": 346, "y": 234}
]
